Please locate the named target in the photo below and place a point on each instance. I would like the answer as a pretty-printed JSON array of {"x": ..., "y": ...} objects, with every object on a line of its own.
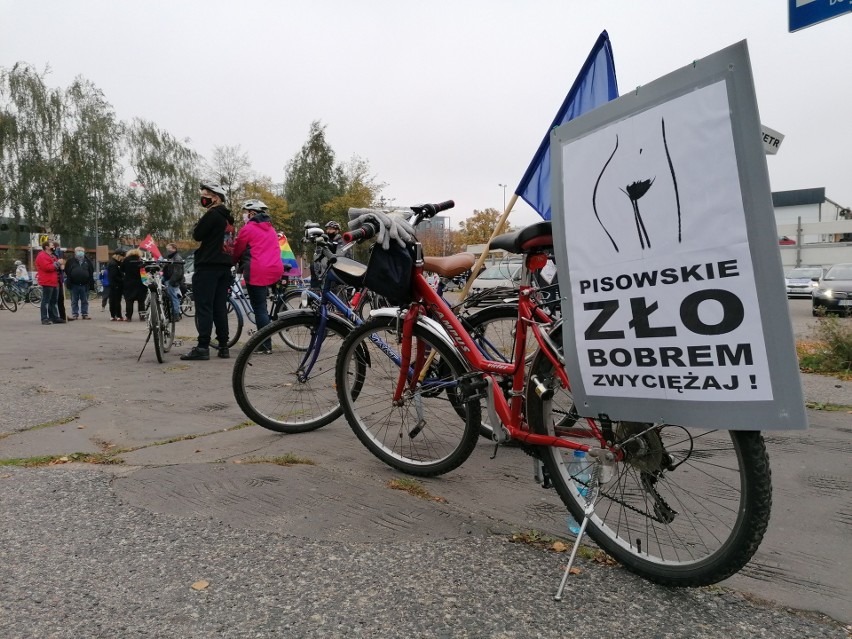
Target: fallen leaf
[
  {"x": 200, "y": 584},
  {"x": 81, "y": 427},
  {"x": 575, "y": 571},
  {"x": 559, "y": 546},
  {"x": 198, "y": 450}
]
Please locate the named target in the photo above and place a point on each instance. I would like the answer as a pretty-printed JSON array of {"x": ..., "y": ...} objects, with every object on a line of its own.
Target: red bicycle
[{"x": 680, "y": 506}]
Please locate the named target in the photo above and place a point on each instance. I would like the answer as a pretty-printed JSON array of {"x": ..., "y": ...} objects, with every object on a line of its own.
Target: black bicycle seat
[{"x": 531, "y": 238}]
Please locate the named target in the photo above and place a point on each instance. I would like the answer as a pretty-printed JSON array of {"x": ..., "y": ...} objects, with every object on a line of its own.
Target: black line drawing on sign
[{"x": 635, "y": 191}]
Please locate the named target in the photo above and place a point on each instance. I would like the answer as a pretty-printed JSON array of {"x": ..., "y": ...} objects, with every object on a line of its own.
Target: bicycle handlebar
[{"x": 364, "y": 233}]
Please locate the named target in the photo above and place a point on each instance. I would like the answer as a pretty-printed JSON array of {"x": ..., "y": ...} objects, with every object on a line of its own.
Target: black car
[{"x": 834, "y": 291}]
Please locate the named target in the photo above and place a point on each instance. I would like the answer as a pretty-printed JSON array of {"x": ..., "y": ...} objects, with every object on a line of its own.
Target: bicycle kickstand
[
  {"x": 589, "y": 508},
  {"x": 147, "y": 339}
]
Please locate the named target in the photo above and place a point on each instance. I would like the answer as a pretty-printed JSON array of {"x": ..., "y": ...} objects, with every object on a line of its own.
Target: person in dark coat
[
  {"x": 80, "y": 278},
  {"x": 116, "y": 285},
  {"x": 134, "y": 290}
]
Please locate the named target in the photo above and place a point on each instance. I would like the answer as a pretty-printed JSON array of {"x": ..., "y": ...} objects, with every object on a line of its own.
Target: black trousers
[{"x": 210, "y": 292}]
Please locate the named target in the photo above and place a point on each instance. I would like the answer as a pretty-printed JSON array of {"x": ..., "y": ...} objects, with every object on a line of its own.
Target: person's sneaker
[
  {"x": 86, "y": 317},
  {"x": 196, "y": 353},
  {"x": 71, "y": 319},
  {"x": 177, "y": 318},
  {"x": 224, "y": 353},
  {"x": 264, "y": 350},
  {"x": 57, "y": 320},
  {"x": 46, "y": 322}
]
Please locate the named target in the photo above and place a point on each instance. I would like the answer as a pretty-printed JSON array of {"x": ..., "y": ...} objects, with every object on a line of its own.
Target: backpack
[{"x": 228, "y": 243}]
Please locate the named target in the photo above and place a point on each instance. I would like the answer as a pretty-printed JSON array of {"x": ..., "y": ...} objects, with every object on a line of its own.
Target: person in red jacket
[
  {"x": 258, "y": 256},
  {"x": 49, "y": 271}
]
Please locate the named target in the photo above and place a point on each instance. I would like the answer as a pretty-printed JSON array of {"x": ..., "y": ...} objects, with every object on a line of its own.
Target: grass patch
[
  {"x": 55, "y": 460},
  {"x": 288, "y": 459},
  {"x": 415, "y": 488},
  {"x": 830, "y": 351},
  {"x": 836, "y": 408}
]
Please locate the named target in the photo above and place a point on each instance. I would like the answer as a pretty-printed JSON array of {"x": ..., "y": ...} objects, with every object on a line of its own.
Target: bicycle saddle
[
  {"x": 526, "y": 240},
  {"x": 449, "y": 266}
]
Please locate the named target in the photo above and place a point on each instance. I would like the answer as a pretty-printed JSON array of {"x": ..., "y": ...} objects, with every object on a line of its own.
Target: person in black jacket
[
  {"x": 212, "y": 276},
  {"x": 80, "y": 279},
  {"x": 134, "y": 290},
  {"x": 116, "y": 285}
]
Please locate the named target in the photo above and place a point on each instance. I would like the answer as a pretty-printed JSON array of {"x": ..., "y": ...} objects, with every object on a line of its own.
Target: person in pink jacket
[{"x": 258, "y": 257}]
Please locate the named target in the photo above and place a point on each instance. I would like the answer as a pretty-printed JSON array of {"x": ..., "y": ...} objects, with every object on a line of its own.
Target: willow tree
[{"x": 167, "y": 170}]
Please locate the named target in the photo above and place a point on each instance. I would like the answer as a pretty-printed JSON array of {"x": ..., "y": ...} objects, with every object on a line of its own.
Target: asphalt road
[{"x": 328, "y": 549}]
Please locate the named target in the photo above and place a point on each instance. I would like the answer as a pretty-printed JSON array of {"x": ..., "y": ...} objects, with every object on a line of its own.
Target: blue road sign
[{"x": 804, "y": 13}]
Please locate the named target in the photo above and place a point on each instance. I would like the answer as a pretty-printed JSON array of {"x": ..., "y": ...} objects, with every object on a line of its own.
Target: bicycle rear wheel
[
  {"x": 154, "y": 325},
  {"x": 187, "y": 304},
  {"x": 424, "y": 435},
  {"x": 686, "y": 507},
  {"x": 275, "y": 389},
  {"x": 167, "y": 327},
  {"x": 34, "y": 295}
]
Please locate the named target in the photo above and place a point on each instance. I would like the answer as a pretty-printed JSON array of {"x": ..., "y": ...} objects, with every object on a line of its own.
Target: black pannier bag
[{"x": 389, "y": 272}]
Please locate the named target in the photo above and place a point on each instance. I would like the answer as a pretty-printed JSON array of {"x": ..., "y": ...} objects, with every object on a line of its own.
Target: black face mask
[{"x": 206, "y": 202}]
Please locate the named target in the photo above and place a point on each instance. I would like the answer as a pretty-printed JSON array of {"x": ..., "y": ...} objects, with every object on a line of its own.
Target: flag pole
[{"x": 481, "y": 259}]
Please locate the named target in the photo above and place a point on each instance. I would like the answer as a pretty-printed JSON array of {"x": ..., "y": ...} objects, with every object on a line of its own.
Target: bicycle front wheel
[
  {"x": 8, "y": 299},
  {"x": 285, "y": 389},
  {"x": 187, "y": 304},
  {"x": 167, "y": 323},
  {"x": 34, "y": 295},
  {"x": 686, "y": 507},
  {"x": 422, "y": 435}
]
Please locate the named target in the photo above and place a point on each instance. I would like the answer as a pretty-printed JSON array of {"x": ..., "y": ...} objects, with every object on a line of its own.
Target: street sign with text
[{"x": 805, "y": 13}]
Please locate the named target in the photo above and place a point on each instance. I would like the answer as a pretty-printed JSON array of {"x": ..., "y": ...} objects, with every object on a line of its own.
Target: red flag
[{"x": 151, "y": 246}]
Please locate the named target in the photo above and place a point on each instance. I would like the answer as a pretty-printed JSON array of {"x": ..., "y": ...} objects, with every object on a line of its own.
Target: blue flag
[{"x": 594, "y": 86}]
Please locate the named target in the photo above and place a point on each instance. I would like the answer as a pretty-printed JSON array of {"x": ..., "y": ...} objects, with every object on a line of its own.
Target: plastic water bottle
[{"x": 579, "y": 469}]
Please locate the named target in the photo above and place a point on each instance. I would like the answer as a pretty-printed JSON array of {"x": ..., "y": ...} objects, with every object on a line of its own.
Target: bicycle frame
[{"x": 509, "y": 412}]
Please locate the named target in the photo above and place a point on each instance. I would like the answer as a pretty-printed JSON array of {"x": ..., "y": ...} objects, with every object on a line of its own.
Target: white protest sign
[{"x": 664, "y": 233}]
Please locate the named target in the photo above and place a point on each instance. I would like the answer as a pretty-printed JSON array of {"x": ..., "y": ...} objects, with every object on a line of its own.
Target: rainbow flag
[{"x": 287, "y": 257}]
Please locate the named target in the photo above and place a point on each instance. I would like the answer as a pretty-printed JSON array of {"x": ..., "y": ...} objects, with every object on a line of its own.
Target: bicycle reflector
[{"x": 536, "y": 261}]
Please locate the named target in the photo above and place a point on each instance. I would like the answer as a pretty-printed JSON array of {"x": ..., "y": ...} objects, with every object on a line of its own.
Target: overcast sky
[{"x": 446, "y": 99}]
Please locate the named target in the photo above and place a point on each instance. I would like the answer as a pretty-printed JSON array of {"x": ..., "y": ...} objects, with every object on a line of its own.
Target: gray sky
[{"x": 446, "y": 99}]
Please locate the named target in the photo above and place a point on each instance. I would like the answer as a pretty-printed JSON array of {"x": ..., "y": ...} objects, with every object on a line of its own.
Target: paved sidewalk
[{"x": 329, "y": 549}]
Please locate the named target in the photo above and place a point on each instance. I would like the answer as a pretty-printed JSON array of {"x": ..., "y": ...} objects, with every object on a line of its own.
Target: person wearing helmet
[
  {"x": 212, "y": 276},
  {"x": 258, "y": 256},
  {"x": 21, "y": 273},
  {"x": 335, "y": 241}
]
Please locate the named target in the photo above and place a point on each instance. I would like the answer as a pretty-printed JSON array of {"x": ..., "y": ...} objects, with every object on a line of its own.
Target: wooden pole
[{"x": 498, "y": 229}]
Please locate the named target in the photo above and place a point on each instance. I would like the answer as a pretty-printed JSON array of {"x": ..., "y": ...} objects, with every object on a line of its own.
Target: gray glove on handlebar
[{"x": 393, "y": 225}]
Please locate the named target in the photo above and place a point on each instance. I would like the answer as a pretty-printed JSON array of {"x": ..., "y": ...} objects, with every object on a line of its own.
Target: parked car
[
  {"x": 801, "y": 281},
  {"x": 496, "y": 283},
  {"x": 834, "y": 291}
]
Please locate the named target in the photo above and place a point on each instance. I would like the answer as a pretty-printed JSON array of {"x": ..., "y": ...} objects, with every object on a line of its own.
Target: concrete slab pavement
[{"x": 88, "y": 371}]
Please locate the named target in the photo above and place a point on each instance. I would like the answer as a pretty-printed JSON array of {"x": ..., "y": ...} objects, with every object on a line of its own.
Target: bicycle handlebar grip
[
  {"x": 444, "y": 206},
  {"x": 364, "y": 233}
]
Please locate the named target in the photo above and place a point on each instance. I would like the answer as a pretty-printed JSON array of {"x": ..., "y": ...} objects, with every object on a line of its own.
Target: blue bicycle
[{"x": 283, "y": 378}]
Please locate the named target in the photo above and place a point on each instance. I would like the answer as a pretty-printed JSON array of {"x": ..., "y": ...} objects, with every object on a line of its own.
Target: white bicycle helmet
[
  {"x": 255, "y": 205},
  {"x": 214, "y": 187}
]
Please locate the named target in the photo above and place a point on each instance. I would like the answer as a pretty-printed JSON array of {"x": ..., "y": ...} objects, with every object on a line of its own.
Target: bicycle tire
[
  {"x": 402, "y": 436},
  {"x": 187, "y": 304},
  {"x": 8, "y": 300},
  {"x": 167, "y": 330},
  {"x": 687, "y": 507},
  {"x": 370, "y": 301},
  {"x": 267, "y": 386},
  {"x": 34, "y": 295},
  {"x": 154, "y": 325}
]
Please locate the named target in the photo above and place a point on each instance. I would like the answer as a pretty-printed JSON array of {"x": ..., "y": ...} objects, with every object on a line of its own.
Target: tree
[
  {"x": 168, "y": 170},
  {"x": 477, "y": 229},
  {"x": 231, "y": 168},
  {"x": 359, "y": 189},
  {"x": 311, "y": 180}
]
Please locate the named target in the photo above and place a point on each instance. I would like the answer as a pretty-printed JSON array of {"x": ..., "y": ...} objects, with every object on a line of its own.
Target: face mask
[
  {"x": 206, "y": 202},
  {"x": 79, "y": 253},
  {"x": 245, "y": 217}
]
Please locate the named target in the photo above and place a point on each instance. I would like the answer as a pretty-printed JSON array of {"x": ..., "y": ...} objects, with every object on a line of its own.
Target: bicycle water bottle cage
[{"x": 534, "y": 237}]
